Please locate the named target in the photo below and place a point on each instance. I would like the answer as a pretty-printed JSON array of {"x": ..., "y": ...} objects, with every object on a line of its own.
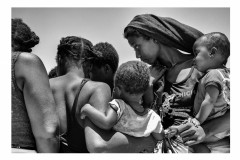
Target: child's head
[
  {"x": 211, "y": 50},
  {"x": 132, "y": 78}
]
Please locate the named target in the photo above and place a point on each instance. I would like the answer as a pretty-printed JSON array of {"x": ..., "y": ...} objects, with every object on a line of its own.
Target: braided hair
[
  {"x": 23, "y": 39},
  {"x": 70, "y": 50}
]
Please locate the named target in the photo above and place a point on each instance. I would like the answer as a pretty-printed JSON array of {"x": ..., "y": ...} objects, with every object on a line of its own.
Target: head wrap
[{"x": 166, "y": 30}]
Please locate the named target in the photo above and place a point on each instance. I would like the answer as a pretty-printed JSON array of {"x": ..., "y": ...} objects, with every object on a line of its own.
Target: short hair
[
  {"x": 52, "y": 73},
  {"x": 23, "y": 39},
  {"x": 71, "y": 47},
  {"x": 102, "y": 53},
  {"x": 109, "y": 55},
  {"x": 133, "y": 76},
  {"x": 133, "y": 32},
  {"x": 218, "y": 40}
]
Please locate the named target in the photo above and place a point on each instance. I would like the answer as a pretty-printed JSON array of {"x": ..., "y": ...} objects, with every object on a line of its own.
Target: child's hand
[
  {"x": 195, "y": 122},
  {"x": 172, "y": 131},
  {"x": 83, "y": 109},
  {"x": 83, "y": 116}
]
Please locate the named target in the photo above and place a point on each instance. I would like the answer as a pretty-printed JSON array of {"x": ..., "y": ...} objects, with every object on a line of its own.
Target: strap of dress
[{"x": 84, "y": 81}]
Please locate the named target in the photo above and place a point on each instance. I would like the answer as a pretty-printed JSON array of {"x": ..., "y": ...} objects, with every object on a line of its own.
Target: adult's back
[{"x": 65, "y": 90}]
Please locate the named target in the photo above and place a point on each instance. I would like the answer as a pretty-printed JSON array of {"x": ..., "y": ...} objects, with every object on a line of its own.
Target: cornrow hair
[
  {"x": 22, "y": 36},
  {"x": 70, "y": 51},
  {"x": 72, "y": 47},
  {"x": 133, "y": 76}
]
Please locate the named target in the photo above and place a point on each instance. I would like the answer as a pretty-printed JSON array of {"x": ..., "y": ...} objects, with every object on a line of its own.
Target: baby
[
  {"x": 213, "y": 95},
  {"x": 125, "y": 112}
]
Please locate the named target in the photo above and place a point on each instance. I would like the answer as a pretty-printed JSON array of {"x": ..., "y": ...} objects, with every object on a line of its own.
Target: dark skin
[
  {"x": 98, "y": 95},
  {"x": 193, "y": 135},
  {"x": 115, "y": 142},
  {"x": 178, "y": 67},
  {"x": 32, "y": 80}
]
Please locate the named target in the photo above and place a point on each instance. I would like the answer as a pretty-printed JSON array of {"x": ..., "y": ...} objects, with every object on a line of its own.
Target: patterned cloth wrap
[{"x": 171, "y": 145}]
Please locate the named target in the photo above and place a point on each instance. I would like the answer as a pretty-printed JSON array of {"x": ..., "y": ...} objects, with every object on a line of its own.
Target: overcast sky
[{"x": 107, "y": 25}]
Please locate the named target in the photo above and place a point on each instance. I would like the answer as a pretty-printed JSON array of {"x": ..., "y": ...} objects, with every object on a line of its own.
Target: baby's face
[{"x": 203, "y": 60}]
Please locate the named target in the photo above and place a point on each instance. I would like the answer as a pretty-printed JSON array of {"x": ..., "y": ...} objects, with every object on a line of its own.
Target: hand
[
  {"x": 195, "y": 122},
  {"x": 191, "y": 134},
  {"x": 172, "y": 131},
  {"x": 83, "y": 113},
  {"x": 83, "y": 116}
]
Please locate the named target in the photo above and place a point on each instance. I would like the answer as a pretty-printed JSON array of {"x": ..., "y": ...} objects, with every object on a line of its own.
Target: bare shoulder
[
  {"x": 100, "y": 94},
  {"x": 98, "y": 87},
  {"x": 28, "y": 63},
  {"x": 29, "y": 59}
]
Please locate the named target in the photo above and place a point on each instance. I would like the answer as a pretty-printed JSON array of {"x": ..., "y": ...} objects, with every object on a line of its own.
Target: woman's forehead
[{"x": 134, "y": 39}]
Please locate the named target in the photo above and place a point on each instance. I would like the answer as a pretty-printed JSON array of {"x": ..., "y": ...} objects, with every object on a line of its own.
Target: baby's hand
[
  {"x": 195, "y": 122},
  {"x": 83, "y": 116},
  {"x": 172, "y": 131},
  {"x": 83, "y": 109}
]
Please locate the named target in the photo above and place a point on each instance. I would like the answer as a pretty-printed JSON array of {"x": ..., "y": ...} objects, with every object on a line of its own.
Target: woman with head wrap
[{"x": 160, "y": 41}]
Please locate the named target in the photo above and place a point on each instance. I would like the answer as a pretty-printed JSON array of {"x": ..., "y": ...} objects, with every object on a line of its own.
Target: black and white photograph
[{"x": 114, "y": 79}]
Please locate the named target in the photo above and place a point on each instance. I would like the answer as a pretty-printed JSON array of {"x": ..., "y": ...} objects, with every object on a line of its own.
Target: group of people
[{"x": 89, "y": 104}]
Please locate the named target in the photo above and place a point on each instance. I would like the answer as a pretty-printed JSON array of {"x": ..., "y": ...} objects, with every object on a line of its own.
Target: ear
[
  {"x": 213, "y": 52},
  {"x": 117, "y": 89},
  {"x": 107, "y": 68}
]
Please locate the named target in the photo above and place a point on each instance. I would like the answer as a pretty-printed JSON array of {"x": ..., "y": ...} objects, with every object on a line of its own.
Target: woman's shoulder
[
  {"x": 28, "y": 57},
  {"x": 97, "y": 87}
]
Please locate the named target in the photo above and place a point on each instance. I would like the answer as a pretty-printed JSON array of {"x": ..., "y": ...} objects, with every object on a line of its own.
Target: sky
[{"x": 107, "y": 25}]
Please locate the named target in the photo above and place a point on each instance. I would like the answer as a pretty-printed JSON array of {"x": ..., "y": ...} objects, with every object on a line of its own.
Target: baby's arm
[
  {"x": 158, "y": 136},
  {"x": 207, "y": 105},
  {"x": 102, "y": 120}
]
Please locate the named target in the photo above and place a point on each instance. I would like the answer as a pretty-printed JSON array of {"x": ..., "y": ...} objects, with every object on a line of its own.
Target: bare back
[{"x": 65, "y": 90}]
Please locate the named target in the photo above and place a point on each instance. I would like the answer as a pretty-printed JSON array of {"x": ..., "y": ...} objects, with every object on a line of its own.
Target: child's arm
[
  {"x": 158, "y": 136},
  {"x": 102, "y": 120},
  {"x": 207, "y": 105}
]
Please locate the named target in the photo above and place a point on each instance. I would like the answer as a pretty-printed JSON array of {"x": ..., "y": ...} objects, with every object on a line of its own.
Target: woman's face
[{"x": 146, "y": 50}]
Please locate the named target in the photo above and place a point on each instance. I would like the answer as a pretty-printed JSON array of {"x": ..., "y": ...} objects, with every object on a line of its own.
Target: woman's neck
[
  {"x": 173, "y": 57},
  {"x": 77, "y": 71}
]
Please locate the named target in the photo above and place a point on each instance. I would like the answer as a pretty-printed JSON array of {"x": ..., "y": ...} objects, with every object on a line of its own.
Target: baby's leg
[{"x": 200, "y": 148}]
